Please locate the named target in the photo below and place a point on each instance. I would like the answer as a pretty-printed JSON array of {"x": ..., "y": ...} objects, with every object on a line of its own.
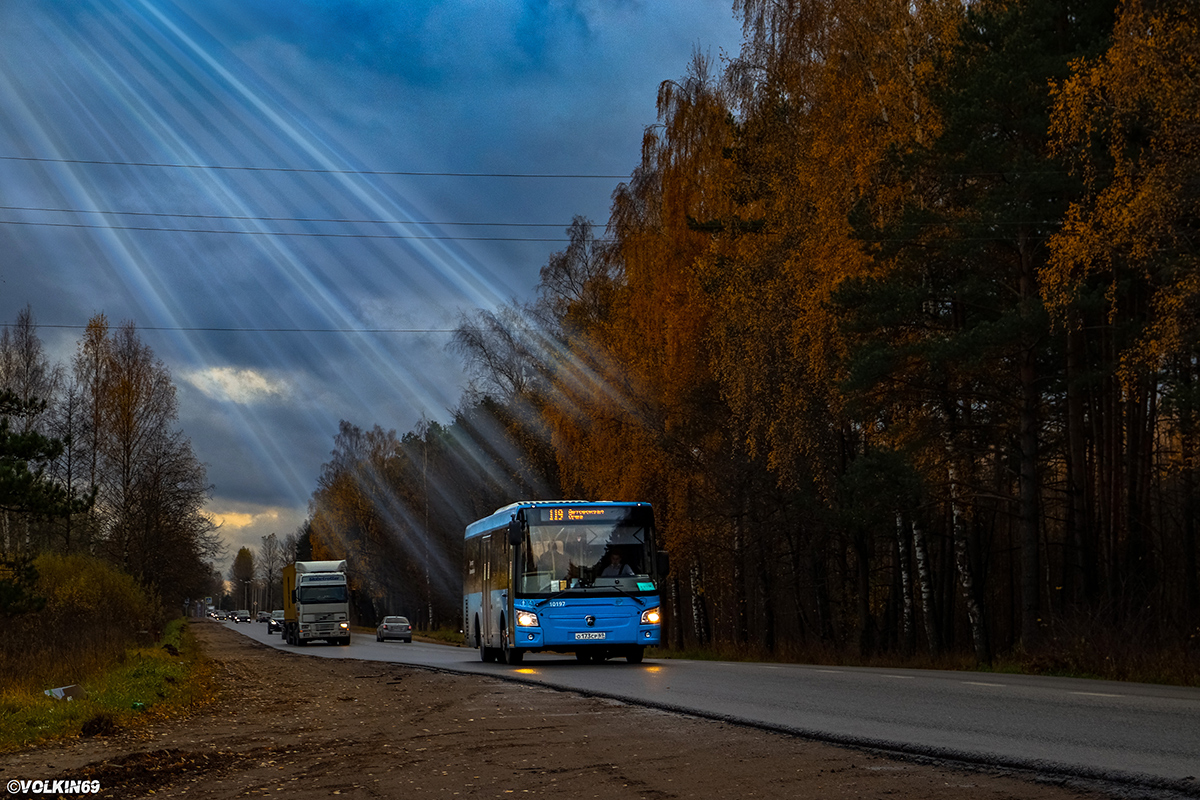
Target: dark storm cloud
[{"x": 350, "y": 89}]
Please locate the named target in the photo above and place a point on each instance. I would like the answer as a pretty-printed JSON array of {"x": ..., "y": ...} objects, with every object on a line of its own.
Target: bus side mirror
[
  {"x": 663, "y": 562},
  {"x": 515, "y": 532}
]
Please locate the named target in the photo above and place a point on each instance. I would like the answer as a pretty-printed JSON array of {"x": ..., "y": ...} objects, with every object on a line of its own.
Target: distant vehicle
[
  {"x": 394, "y": 628},
  {"x": 565, "y": 576},
  {"x": 263, "y": 616},
  {"x": 316, "y": 602},
  {"x": 242, "y": 615},
  {"x": 222, "y": 615},
  {"x": 275, "y": 621}
]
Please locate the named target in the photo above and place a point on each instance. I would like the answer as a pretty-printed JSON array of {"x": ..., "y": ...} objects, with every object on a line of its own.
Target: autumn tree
[
  {"x": 1123, "y": 284},
  {"x": 270, "y": 562},
  {"x": 67, "y": 422},
  {"x": 148, "y": 516},
  {"x": 25, "y": 369},
  {"x": 297, "y": 545},
  {"x": 29, "y": 384},
  {"x": 882, "y": 398},
  {"x": 25, "y": 486},
  {"x": 396, "y": 508},
  {"x": 26, "y": 491},
  {"x": 241, "y": 576},
  {"x": 503, "y": 351}
]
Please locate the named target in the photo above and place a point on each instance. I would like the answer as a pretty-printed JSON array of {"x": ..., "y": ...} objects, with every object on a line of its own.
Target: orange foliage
[{"x": 1131, "y": 119}]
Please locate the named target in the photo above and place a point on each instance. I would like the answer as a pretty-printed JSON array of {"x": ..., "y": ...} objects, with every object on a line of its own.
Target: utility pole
[{"x": 425, "y": 490}]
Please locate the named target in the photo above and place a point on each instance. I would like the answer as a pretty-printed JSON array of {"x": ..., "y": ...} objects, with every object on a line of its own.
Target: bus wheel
[
  {"x": 509, "y": 655},
  {"x": 635, "y": 654}
]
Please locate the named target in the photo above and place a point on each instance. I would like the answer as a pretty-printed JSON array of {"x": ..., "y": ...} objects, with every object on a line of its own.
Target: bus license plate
[{"x": 596, "y": 635}]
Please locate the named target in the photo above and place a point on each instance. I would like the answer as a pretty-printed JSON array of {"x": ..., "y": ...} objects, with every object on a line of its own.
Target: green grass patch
[
  {"x": 165, "y": 680},
  {"x": 704, "y": 654}
]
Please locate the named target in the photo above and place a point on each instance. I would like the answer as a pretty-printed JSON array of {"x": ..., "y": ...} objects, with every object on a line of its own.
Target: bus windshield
[{"x": 564, "y": 554}]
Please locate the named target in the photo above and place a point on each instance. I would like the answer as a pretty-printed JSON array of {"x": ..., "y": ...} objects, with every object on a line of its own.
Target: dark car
[
  {"x": 394, "y": 628},
  {"x": 275, "y": 622}
]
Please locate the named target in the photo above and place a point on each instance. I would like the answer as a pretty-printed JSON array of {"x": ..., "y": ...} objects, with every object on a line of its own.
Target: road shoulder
[{"x": 313, "y": 727}]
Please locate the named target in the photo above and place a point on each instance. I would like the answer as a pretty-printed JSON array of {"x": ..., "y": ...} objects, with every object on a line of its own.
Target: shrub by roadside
[
  {"x": 82, "y": 616},
  {"x": 166, "y": 679}
]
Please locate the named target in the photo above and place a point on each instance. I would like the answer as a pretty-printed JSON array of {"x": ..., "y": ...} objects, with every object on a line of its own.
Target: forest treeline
[
  {"x": 894, "y": 323},
  {"x": 103, "y": 531}
]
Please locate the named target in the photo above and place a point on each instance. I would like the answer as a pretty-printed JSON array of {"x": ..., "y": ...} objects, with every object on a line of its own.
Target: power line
[
  {"x": 411, "y": 237},
  {"x": 311, "y": 170},
  {"x": 187, "y": 329},
  {"x": 309, "y": 234},
  {"x": 435, "y": 174},
  {"x": 251, "y": 218}
]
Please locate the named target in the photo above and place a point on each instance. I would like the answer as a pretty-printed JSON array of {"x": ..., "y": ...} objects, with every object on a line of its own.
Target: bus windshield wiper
[
  {"x": 541, "y": 603},
  {"x": 555, "y": 596},
  {"x": 636, "y": 599}
]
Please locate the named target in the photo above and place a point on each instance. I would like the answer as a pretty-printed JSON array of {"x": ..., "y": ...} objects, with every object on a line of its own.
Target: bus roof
[{"x": 501, "y": 516}]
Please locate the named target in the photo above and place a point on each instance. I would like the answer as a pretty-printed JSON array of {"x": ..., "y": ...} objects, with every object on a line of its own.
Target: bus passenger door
[
  {"x": 485, "y": 598},
  {"x": 498, "y": 572}
]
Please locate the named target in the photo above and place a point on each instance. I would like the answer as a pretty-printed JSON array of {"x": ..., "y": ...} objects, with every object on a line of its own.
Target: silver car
[{"x": 394, "y": 628}]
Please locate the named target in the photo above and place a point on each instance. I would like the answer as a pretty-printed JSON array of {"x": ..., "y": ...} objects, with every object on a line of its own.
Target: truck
[{"x": 316, "y": 602}]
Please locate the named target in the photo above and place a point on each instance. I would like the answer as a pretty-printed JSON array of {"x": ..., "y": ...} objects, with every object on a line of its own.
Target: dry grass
[
  {"x": 92, "y": 613},
  {"x": 167, "y": 679}
]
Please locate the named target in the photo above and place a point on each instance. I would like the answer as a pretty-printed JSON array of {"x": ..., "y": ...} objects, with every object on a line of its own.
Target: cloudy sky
[{"x": 294, "y": 201}]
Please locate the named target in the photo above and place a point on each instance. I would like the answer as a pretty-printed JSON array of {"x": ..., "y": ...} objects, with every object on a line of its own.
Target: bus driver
[{"x": 616, "y": 568}]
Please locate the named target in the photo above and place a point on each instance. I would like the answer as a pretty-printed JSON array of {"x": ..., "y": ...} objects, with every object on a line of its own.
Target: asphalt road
[{"x": 1121, "y": 734}]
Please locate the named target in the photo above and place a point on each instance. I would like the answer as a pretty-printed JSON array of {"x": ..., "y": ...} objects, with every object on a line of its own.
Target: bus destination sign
[{"x": 583, "y": 514}]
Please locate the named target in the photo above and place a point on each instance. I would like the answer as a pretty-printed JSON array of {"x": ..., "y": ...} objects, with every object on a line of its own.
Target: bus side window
[{"x": 499, "y": 576}]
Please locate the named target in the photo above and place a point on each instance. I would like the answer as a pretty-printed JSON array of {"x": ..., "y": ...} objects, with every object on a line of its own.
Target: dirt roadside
[{"x": 306, "y": 727}]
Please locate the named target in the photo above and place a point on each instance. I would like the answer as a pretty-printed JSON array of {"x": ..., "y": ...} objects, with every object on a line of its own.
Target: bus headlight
[
  {"x": 527, "y": 619},
  {"x": 651, "y": 616}
]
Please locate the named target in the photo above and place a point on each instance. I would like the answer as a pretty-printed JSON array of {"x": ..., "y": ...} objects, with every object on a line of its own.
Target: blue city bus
[{"x": 565, "y": 576}]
